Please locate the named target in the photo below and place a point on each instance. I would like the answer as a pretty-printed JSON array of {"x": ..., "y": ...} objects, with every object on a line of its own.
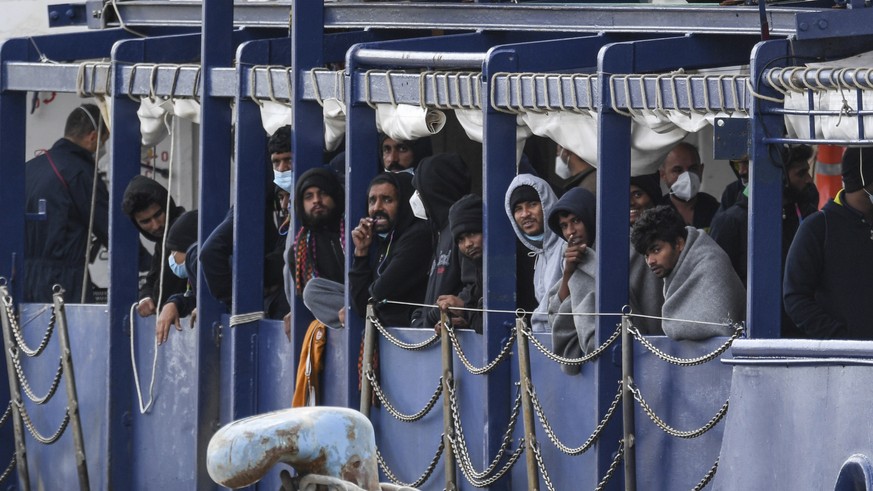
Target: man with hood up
[
  {"x": 390, "y": 243},
  {"x": 64, "y": 177},
  {"x": 439, "y": 182},
  {"x": 528, "y": 201},
  {"x": 145, "y": 203},
  {"x": 182, "y": 245},
  {"x": 465, "y": 220},
  {"x": 573, "y": 219},
  {"x": 316, "y": 259}
]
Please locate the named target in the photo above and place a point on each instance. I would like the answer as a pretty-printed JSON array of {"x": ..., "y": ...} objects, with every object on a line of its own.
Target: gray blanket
[
  {"x": 702, "y": 287},
  {"x": 571, "y": 333}
]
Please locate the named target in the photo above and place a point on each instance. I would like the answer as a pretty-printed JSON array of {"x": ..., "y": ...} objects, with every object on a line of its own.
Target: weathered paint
[{"x": 331, "y": 441}]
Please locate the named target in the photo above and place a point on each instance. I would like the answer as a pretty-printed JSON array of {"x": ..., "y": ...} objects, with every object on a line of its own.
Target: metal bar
[
  {"x": 387, "y": 57},
  {"x": 451, "y": 472},
  {"x": 627, "y": 406},
  {"x": 14, "y": 391},
  {"x": 533, "y": 477},
  {"x": 505, "y": 17},
  {"x": 70, "y": 384},
  {"x": 818, "y": 78},
  {"x": 367, "y": 363}
]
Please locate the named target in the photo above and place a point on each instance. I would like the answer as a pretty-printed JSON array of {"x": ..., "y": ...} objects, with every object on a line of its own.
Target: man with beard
[
  {"x": 317, "y": 262},
  {"x": 389, "y": 246},
  {"x": 465, "y": 221},
  {"x": 699, "y": 282},
  {"x": 682, "y": 172},
  {"x": 146, "y": 203},
  {"x": 439, "y": 182},
  {"x": 403, "y": 156}
]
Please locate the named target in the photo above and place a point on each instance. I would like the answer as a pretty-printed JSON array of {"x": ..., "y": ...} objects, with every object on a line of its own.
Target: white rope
[
  {"x": 522, "y": 312},
  {"x": 121, "y": 21},
  {"x": 142, "y": 409},
  {"x": 238, "y": 319},
  {"x": 85, "y": 275}
]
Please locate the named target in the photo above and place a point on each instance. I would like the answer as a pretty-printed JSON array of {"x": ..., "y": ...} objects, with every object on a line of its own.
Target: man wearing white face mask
[
  {"x": 682, "y": 172},
  {"x": 439, "y": 181},
  {"x": 65, "y": 177},
  {"x": 828, "y": 279},
  {"x": 577, "y": 172}
]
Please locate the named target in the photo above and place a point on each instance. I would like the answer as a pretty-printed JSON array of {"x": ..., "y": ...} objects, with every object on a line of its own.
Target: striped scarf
[{"x": 305, "y": 255}]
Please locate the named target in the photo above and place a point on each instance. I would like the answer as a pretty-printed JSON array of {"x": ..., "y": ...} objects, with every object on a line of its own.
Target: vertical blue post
[
  {"x": 307, "y": 47},
  {"x": 764, "y": 297},
  {"x": 498, "y": 170},
  {"x": 12, "y": 200},
  {"x": 123, "y": 280},
  {"x": 612, "y": 242},
  {"x": 215, "y": 153}
]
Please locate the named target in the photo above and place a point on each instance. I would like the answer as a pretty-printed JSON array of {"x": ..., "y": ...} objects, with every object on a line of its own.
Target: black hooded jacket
[
  {"x": 393, "y": 269},
  {"x": 55, "y": 247},
  {"x": 440, "y": 181},
  {"x": 154, "y": 192}
]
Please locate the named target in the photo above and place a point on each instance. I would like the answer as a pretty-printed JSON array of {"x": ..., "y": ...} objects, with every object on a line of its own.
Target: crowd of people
[{"x": 421, "y": 242}]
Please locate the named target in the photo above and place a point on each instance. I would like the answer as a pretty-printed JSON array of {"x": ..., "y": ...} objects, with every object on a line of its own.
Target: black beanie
[
  {"x": 323, "y": 179},
  {"x": 183, "y": 233},
  {"x": 523, "y": 193},
  {"x": 853, "y": 160},
  {"x": 650, "y": 184},
  {"x": 465, "y": 216}
]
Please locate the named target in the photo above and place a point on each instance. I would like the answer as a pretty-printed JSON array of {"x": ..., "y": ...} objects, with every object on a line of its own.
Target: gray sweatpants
[{"x": 324, "y": 298}]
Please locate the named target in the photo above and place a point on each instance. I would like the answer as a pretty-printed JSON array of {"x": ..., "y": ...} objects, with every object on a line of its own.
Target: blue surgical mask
[
  {"x": 177, "y": 269},
  {"x": 284, "y": 180},
  {"x": 535, "y": 238}
]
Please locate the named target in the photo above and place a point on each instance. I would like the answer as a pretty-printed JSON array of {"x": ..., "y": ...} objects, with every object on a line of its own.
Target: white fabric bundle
[
  {"x": 472, "y": 122},
  {"x": 405, "y": 122},
  {"x": 154, "y": 113}
]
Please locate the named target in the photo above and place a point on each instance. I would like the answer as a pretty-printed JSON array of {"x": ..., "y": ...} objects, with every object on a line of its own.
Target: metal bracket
[
  {"x": 731, "y": 138},
  {"x": 67, "y": 14}
]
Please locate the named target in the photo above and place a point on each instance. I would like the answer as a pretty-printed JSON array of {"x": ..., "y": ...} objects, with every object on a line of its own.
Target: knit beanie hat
[
  {"x": 465, "y": 216},
  {"x": 323, "y": 179},
  {"x": 523, "y": 193},
  {"x": 183, "y": 233},
  {"x": 857, "y": 168},
  {"x": 650, "y": 184}
]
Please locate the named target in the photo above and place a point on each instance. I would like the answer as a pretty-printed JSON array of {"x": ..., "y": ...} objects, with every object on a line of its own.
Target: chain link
[
  {"x": 687, "y": 362},
  {"x": 619, "y": 454},
  {"x": 669, "y": 429},
  {"x": 6, "y": 414},
  {"x": 459, "y": 445},
  {"x": 427, "y": 472},
  {"x": 36, "y": 434},
  {"x": 541, "y": 464},
  {"x": 591, "y": 439},
  {"x": 8, "y": 471},
  {"x": 16, "y": 329},
  {"x": 16, "y": 362},
  {"x": 406, "y": 418},
  {"x": 400, "y": 344},
  {"x": 708, "y": 477},
  {"x": 571, "y": 361},
  {"x": 490, "y": 366}
]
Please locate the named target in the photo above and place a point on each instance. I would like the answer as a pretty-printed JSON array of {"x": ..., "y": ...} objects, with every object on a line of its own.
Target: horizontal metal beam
[
  {"x": 384, "y": 57},
  {"x": 504, "y": 17}
]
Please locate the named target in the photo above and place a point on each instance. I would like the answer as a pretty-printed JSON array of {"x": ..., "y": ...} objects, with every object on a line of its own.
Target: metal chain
[
  {"x": 541, "y": 464},
  {"x": 26, "y": 386},
  {"x": 311, "y": 482},
  {"x": 6, "y": 414},
  {"x": 708, "y": 477},
  {"x": 427, "y": 472},
  {"x": 619, "y": 454},
  {"x": 16, "y": 330},
  {"x": 669, "y": 429},
  {"x": 36, "y": 434},
  {"x": 572, "y": 361},
  {"x": 687, "y": 362},
  {"x": 400, "y": 344},
  {"x": 591, "y": 439},
  {"x": 406, "y": 418},
  {"x": 8, "y": 470},
  {"x": 459, "y": 445},
  {"x": 491, "y": 365}
]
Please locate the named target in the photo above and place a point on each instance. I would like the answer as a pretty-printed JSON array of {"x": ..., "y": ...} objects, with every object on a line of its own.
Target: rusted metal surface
[{"x": 331, "y": 441}]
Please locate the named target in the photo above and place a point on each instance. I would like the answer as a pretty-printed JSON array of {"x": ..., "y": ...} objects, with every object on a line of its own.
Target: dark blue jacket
[
  {"x": 828, "y": 280},
  {"x": 55, "y": 247}
]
